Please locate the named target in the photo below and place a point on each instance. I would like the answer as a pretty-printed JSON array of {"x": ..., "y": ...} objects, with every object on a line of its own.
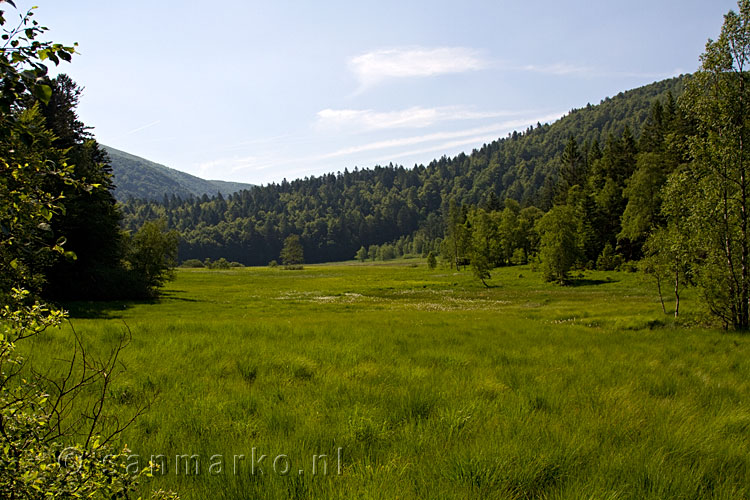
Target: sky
[{"x": 261, "y": 91}]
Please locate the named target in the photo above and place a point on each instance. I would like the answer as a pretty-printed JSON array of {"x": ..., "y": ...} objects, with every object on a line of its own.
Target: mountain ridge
[
  {"x": 337, "y": 213},
  {"x": 137, "y": 177}
]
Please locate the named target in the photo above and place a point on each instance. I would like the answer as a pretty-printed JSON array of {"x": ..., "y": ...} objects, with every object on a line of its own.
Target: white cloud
[
  {"x": 567, "y": 69},
  {"x": 414, "y": 117},
  {"x": 374, "y": 67},
  {"x": 233, "y": 164},
  {"x": 143, "y": 127},
  {"x": 486, "y": 131},
  {"x": 264, "y": 166},
  {"x": 559, "y": 69}
]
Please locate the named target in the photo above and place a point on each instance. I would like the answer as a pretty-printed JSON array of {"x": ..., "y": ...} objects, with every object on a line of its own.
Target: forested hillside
[
  {"x": 336, "y": 214},
  {"x": 140, "y": 178}
]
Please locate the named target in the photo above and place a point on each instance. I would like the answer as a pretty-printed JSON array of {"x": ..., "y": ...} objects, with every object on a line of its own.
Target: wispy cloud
[
  {"x": 143, "y": 127},
  {"x": 439, "y": 136},
  {"x": 235, "y": 164},
  {"x": 415, "y": 117},
  {"x": 559, "y": 69},
  {"x": 568, "y": 69},
  {"x": 265, "y": 165},
  {"x": 374, "y": 67}
]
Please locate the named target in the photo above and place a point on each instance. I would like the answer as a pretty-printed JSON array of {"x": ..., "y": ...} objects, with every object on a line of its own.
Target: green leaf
[{"x": 43, "y": 93}]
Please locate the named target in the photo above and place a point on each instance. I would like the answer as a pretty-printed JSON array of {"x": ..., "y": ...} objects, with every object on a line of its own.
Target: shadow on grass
[
  {"x": 175, "y": 295},
  {"x": 588, "y": 282},
  {"x": 112, "y": 309}
]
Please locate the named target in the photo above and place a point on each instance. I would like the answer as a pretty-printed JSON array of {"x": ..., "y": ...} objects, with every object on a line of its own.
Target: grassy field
[{"x": 424, "y": 384}]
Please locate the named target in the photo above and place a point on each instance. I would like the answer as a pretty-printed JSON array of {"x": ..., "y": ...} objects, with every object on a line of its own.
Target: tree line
[
  {"x": 655, "y": 176},
  {"x": 42, "y": 199},
  {"x": 95, "y": 258},
  {"x": 336, "y": 214}
]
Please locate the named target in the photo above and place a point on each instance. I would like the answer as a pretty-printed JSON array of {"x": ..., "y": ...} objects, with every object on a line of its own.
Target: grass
[{"x": 429, "y": 384}]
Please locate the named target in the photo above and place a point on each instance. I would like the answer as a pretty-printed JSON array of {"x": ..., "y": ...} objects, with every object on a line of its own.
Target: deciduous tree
[
  {"x": 292, "y": 254},
  {"x": 718, "y": 182},
  {"x": 558, "y": 251}
]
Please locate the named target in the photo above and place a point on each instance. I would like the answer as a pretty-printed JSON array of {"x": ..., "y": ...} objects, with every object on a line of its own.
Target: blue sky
[{"x": 259, "y": 91}]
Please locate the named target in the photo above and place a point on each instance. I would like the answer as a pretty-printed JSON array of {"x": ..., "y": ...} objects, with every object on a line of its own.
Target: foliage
[
  {"x": 336, "y": 214},
  {"x": 292, "y": 255},
  {"x": 716, "y": 186},
  {"x": 38, "y": 455},
  {"x": 90, "y": 223},
  {"x": 139, "y": 178},
  {"x": 22, "y": 64},
  {"x": 361, "y": 254},
  {"x": 558, "y": 251},
  {"x": 26, "y": 207},
  {"x": 153, "y": 256},
  {"x": 70, "y": 250},
  {"x": 607, "y": 260},
  {"x": 37, "y": 414},
  {"x": 431, "y": 261},
  {"x": 28, "y": 158},
  {"x": 484, "y": 241},
  {"x": 192, "y": 263}
]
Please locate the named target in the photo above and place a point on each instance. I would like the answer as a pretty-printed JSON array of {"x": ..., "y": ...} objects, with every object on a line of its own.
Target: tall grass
[{"x": 430, "y": 385}]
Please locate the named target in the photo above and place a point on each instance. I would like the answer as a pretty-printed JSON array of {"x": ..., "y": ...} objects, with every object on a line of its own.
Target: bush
[
  {"x": 519, "y": 257},
  {"x": 222, "y": 263},
  {"x": 273, "y": 264},
  {"x": 292, "y": 254},
  {"x": 152, "y": 256},
  {"x": 361, "y": 254},
  {"x": 192, "y": 263},
  {"x": 629, "y": 266},
  {"x": 387, "y": 252},
  {"x": 431, "y": 261},
  {"x": 37, "y": 459},
  {"x": 606, "y": 261}
]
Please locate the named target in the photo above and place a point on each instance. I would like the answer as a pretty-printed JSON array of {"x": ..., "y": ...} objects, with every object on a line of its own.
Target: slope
[
  {"x": 336, "y": 214},
  {"x": 140, "y": 178}
]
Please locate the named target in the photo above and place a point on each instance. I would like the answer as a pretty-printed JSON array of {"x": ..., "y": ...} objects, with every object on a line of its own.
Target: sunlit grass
[{"x": 430, "y": 384}]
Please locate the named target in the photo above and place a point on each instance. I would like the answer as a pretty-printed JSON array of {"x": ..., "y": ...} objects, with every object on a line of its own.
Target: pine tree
[{"x": 90, "y": 224}]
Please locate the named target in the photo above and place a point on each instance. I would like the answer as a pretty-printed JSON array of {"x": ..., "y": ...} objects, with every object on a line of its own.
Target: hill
[
  {"x": 336, "y": 214},
  {"x": 140, "y": 178}
]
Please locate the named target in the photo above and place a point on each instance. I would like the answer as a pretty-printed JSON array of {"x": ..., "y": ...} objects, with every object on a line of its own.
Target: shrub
[
  {"x": 606, "y": 260},
  {"x": 519, "y": 257},
  {"x": 431, "y": 261},
  {"x": 292, "y": 255},
  {"x": 222, "y": 263},
  {"x": 192, "y": 263}
]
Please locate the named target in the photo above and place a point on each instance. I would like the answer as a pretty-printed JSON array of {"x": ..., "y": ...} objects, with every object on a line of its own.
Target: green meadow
[{"x": 418, "y": 383}]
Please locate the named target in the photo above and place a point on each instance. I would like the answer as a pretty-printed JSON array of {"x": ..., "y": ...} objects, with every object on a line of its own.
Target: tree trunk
[
  {"x": 676, "y": 294},
  {"x": 744, "y": 292},
  {"x": 661, "y": 297}
]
